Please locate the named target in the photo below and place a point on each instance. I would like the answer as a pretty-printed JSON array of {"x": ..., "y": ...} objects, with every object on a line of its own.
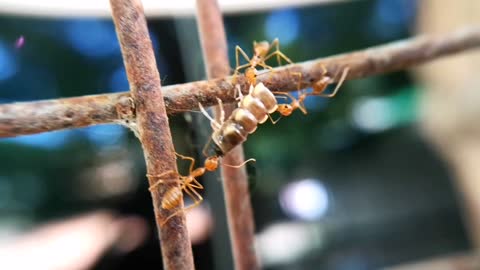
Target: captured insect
[{"x": 253, "y": 109}]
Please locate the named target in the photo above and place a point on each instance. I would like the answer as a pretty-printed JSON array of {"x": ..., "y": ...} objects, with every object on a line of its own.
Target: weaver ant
[
  {"x": 188, "y": 184},
  {"x": 260, "y": 56},
  {"x": 318, "y": 89}
]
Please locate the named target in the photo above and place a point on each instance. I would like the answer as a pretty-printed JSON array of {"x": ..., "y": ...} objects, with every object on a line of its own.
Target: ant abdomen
[{"x": 172, "y": 198}]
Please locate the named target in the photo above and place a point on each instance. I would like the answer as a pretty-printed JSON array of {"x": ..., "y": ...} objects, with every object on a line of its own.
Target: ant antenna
[
  {"x": 214, "y": 123},
  {"x": 342, "y": 80},
  {"x": 242, "y": 164}
]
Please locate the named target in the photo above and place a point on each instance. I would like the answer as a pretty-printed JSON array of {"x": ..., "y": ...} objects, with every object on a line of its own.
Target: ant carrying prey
[{"x": 253, "y": 109}]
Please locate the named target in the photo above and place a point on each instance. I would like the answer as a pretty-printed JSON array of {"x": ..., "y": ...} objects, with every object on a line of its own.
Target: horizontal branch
[{"x": 41, "y": 116}]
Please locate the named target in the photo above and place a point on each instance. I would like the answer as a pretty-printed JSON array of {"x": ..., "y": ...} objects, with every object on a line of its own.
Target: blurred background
[{"x": 383, "y": 175}]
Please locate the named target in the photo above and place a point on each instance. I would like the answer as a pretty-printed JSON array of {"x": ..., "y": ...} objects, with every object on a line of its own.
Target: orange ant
[
  {"x": 318, "y": 90},
  {"x": 259, "y": 58},
  {"x": 189, "y": 184}
]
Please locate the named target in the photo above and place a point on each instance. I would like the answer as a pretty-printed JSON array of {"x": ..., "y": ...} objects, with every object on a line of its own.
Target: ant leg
[
  {"x": 270, "y": 69},
  {"x": 196, "y": 184},
  {"x": 274, "y": 121},
  {"x": 280, "y": 93},
  {"x": 192, "y": 160},
  {"x": 265, "y": 66},
  {"x": 237, "y": 71},
  {"x": 275, "y": 44},
  {"x": 238, "y": 68},
  {"x": 238, "y": 51},
  {"x": 324, "y": 69},
  {"x": 238, "y": 93},
  {"x": 303, "y": 95},
  {"x": 296, "y": 103},
  {"x": 301, "y": 106},
  {"x": 222, "y": 111},
  {"x": 319, "y": 88},
  {"x": 241, "y": 164},
  {"x": 215, "y": 125},
  {"x": 204, "y": 150},
  {"x": 160, "y": 181},
  {"x": 243, "y": 53},
  {"x": 278, "y": 53},
  {"x": 288, "y": 95},
  {"x": 321, "y": 85}
]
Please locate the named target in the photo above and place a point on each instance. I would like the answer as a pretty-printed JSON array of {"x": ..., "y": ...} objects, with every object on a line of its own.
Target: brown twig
[
  {"x": 40, "y": 116},
  {"x": 152, "y": 124},
  {"x": 235, "y": 182}
]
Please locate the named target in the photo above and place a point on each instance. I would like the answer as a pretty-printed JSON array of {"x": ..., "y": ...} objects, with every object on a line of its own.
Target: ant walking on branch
[{"x": 260, "y": 56}]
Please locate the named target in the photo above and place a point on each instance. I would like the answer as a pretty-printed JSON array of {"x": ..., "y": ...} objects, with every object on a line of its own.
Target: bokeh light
[
  {"x": 8, "y": 66},
  {"x": 105, "y": 135},
  {"x": 372, "y": 114},
  {"x": 284, "y": 25},
  {"x": 92, "y": 38},
  {"x": 47, "y": 140},
  {"x": 306, "y": 199}
]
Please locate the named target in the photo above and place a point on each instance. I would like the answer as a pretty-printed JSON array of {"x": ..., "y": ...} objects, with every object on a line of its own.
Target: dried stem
[
  {"x": 235, "y": 183},
  {"x": 40, "y": 116},
  {"x": 152, "y": 124}
]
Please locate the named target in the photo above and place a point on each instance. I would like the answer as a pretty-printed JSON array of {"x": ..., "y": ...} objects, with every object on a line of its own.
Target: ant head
[
  {"x": 285, "y": 109},
  {"x": 251, "y": 75},
  {"x": 261, "y": 48},
  {"x": 211, "y": 163}
]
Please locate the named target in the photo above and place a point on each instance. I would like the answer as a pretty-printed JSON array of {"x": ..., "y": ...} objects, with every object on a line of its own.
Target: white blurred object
[
  {"x": 153, "y": 8},
  {"x": 284, "y": 243},
  {"x": 76, "y": 243},
  {"x": 372, "y": 114},
  {"x": 199, "y": 223},
  {"x": 306, "y": 199}
]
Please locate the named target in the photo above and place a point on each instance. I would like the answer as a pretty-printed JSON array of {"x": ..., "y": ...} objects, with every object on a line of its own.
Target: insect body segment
[{"x": 253, "y": 109}]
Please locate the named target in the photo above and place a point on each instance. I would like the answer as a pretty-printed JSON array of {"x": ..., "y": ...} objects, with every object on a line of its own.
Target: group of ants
[{"x": 254, "y": 108}]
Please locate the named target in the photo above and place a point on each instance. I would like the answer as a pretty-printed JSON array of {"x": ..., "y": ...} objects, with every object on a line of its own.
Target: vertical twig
[
  {"x": 152, "y": 122},
  {"x": 237, "y": 197}
]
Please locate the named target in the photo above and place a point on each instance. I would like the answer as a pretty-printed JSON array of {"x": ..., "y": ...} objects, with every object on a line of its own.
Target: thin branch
[
  {"x": 152, "y": 124},
  {"x": 235, "y": 183},
  {"x": 40, "y": 116}
]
